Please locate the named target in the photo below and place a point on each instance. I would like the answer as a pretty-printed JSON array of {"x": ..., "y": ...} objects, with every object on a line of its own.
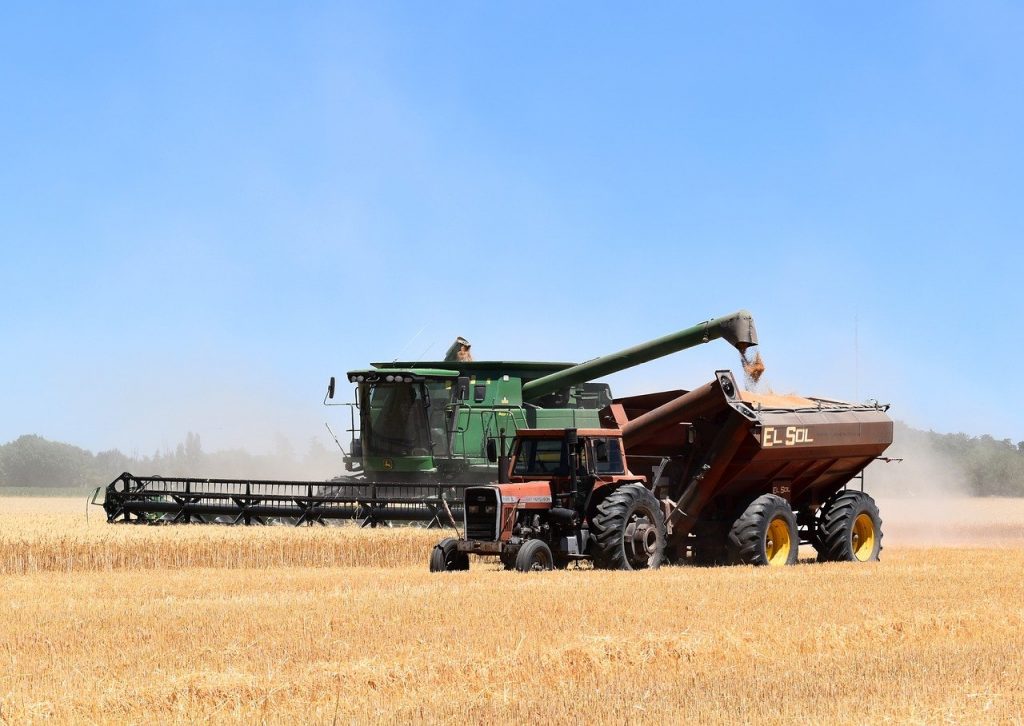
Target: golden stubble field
[{"x": 103, "y": 623}]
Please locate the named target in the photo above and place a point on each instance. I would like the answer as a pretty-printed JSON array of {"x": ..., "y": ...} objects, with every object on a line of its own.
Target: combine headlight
[
  {"x": 389, "y": 379},
  {"x": 360, "y": 379},
  {"x": 490, "y": 509},
  {"x": 473, "y": 508}
]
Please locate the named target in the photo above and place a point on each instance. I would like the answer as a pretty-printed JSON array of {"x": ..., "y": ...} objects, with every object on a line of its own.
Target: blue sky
[{"x": 207, "y": 209}]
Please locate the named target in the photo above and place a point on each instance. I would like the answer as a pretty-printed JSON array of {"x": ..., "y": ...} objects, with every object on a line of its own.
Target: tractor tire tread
[
  {"x": 609, "y": 522},
  {"x": 445, "y": 557}
]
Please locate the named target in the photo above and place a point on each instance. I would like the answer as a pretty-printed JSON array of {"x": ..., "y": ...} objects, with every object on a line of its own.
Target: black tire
[
  {"x": 629, "y": 530},
  {"x": 508, "y": 559},
  {"x": 849, "y": 528},
  {"x": 534, "y": 556},
  {"x": 445, "y": 557},
  {"x": 765, "y": 534}
]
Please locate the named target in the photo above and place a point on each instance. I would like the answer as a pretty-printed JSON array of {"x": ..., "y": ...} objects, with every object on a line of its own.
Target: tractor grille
[{"x": 482, "y": 513}]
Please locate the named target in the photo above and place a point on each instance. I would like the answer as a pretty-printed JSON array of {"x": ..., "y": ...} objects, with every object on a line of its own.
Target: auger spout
[{"x": 737, "y": 329}]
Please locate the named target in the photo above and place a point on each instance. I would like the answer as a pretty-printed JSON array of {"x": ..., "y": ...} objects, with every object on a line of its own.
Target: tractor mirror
[
  {"x": 330, "y": 388},
  {"x": 492, "y": 451}
]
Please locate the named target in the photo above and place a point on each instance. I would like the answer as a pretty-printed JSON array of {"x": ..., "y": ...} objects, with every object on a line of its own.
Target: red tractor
[{"x": 569, "y": 495}]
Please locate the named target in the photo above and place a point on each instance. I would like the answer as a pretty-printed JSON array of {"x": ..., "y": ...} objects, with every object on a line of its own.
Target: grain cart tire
[
  {"x": 629, "y": 530},
  {"x": 446, "y": 557},
  {"x": 849, "y": 528},
  {"x": 534, "y": 556},
  {"x": 765, "y": 534}
]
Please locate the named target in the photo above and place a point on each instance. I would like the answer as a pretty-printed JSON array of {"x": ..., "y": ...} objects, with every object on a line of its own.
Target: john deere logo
[{"x": 389, "y": 464}]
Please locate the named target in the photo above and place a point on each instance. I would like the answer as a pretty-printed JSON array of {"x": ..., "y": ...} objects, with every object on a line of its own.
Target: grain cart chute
[
  {"x": 709, "y": 476},
  {"x": 420, "y": 432}
]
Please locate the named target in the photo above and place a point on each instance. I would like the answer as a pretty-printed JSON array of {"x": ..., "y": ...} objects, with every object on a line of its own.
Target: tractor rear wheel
[
  {"x": 765, "y": 534},
  {"x": 446, "y": 557},
  {"x": 629, "y": 530},
  {"x": 534, "y": 556},
  {"x": 849, "y": 528}
]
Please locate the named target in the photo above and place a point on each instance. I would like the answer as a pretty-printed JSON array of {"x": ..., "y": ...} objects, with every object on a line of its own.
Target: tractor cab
[{"x": 572, "y": 461}]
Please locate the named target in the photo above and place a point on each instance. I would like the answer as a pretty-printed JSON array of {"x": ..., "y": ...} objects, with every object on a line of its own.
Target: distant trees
[{"x": 32, "y": 462}]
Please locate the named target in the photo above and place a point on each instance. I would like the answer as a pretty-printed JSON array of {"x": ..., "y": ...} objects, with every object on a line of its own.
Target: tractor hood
[{"x": 525, "y": 495}]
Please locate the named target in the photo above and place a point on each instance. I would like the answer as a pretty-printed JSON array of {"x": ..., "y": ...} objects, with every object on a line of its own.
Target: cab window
[
  {"x": 607, "y": 456},
  {"x": 541, "y": 457}
]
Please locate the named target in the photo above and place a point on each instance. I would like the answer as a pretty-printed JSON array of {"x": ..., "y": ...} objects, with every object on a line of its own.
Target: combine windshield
[{"x": 404, "y": 419}]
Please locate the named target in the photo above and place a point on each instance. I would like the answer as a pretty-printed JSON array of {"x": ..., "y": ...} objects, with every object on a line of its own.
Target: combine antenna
[
  {"x": 335, "y": 438},
  {"x": 409, "y": 342},
  {"x": 425, "y": 351}
]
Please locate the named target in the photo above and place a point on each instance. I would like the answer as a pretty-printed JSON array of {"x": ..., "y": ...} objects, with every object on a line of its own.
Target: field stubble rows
[{"x": 279, "y": 625}]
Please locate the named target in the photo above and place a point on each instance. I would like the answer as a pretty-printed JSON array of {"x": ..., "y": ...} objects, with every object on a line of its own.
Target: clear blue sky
[{"x": 206, "y": 211}]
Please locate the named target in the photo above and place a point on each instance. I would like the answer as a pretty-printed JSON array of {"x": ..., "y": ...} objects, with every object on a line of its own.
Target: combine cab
[{"x": 710, "y": 476}]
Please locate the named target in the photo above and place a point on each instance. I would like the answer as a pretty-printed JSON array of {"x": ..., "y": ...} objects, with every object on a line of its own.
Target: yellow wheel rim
[
  {"x": 777, "y": 542},
  {"x": 862, "y": 539}
]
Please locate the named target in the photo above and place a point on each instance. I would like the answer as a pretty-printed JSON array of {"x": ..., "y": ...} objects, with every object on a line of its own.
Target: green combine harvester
[{"x": 421, "y": 434}]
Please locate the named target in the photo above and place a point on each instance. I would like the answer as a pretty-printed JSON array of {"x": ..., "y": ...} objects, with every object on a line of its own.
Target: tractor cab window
[
  {"x": 541, "y": 457},
  {"x": 607, "y": 456}
]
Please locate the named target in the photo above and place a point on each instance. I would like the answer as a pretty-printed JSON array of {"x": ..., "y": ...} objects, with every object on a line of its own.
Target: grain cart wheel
[
  {"x": 849, "y": 528},
  {"x": 765, "y": 534},
  {"x": 446, "y": 558},
  {"x": 534, "y": 556},
  {"x": 629, "y": 530}
]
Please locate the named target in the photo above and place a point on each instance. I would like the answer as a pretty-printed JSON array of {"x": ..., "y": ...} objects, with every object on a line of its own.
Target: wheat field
[{"x": 106, "y": 623}]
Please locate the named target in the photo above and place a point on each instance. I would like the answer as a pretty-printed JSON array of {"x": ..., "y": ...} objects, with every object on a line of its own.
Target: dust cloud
[{"x": 925, "y": 499}]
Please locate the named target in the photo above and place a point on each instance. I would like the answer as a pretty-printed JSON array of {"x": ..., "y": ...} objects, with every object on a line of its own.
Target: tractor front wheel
[
  {"x": 629, "y": 530},
  {"x": 534, "y": 556},
  {"x": 765, "y": 534},
  {"x": 446, "y": 557}
]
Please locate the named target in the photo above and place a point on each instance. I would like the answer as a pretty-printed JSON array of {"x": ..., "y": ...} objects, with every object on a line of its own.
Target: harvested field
[{"x": 262, "y": 625}]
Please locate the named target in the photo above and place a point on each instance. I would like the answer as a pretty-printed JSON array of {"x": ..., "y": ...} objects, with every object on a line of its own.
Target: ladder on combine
[{"x": 183, "y": 500}]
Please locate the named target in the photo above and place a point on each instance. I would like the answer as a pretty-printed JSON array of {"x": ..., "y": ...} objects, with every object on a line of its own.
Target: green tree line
[{"x": 35, "y": 463}]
